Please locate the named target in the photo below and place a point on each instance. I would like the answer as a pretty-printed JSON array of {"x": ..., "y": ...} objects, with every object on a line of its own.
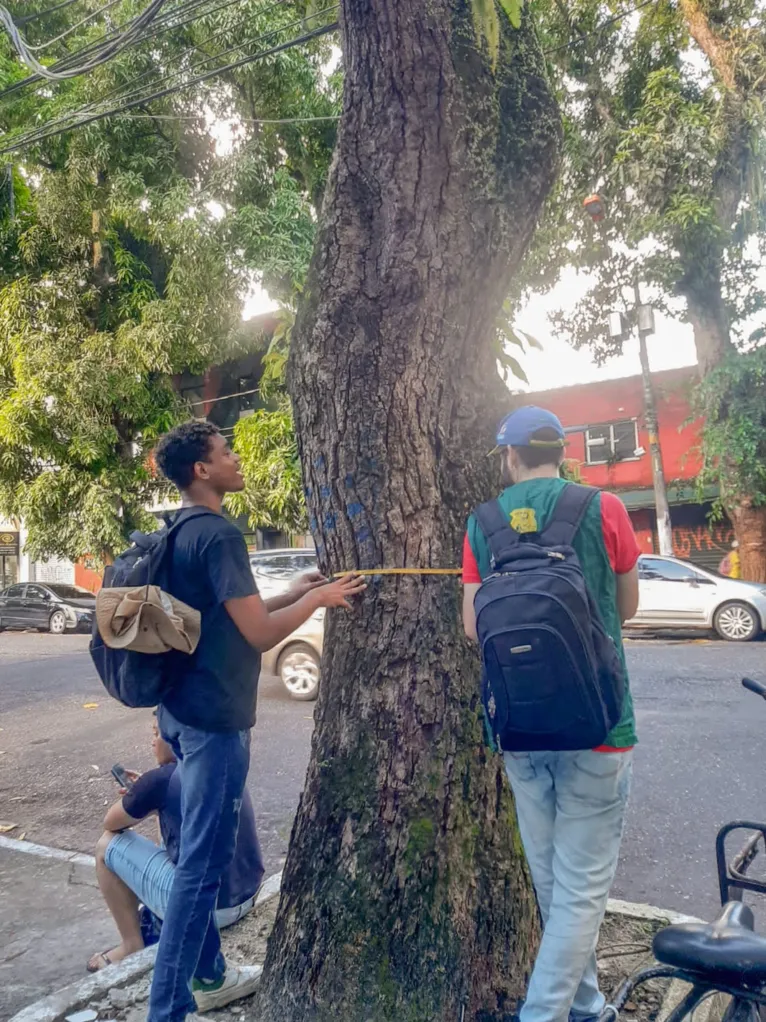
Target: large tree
[
  {"x": 405, "y": 894},
  {"x": 664, "y": 115}
]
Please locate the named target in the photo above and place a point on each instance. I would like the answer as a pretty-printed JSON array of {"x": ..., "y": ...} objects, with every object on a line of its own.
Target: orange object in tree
[{"x": 594, "y": 207}]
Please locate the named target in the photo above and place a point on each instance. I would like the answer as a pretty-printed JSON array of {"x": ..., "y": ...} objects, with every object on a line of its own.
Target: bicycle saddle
[{"x": 725, "y": 951}]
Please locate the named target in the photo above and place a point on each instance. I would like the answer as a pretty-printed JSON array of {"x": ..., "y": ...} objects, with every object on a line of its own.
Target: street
[
  {"x": 700, "y": 760},
  {"x": 62, "y": 733}
]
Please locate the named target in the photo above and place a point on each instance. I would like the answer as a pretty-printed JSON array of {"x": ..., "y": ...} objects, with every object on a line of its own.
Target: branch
[{"x": 715, "y": 49}]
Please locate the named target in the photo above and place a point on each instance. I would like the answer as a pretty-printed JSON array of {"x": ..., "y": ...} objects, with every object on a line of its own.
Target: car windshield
[
  {"x": 282, "y": 566},
  {"x": 69, "y": 592}
]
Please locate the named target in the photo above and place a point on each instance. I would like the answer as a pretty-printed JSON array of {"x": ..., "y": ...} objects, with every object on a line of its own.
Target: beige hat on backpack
[{"x": 147, "y": 620}]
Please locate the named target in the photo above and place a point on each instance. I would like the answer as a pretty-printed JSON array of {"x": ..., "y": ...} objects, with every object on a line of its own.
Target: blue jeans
[
  {"x": 213, "y": 769},
  {"x": 146, "y": 869},
  {"x": 571, "y": 808}
]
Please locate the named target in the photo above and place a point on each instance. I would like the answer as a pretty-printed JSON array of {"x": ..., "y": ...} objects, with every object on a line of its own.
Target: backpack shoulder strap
[
  {"x": 181, "y": 519},
  {"x": 493, "y": 522},
  {"x": 571, "y": 507}
]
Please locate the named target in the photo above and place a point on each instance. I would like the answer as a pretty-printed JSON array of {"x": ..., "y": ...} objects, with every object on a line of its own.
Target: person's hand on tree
[
  {"x": 306, "y": 582},
  {"x": 339, "y": 592}
]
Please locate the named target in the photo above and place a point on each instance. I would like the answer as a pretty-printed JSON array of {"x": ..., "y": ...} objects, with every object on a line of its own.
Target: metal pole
[{"x": 664, "y": 530}]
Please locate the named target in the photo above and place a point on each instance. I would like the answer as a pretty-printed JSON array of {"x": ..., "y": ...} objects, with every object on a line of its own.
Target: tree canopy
[
  {"x": 130, "y": 244},
  {"x": 663, "y": 115}
]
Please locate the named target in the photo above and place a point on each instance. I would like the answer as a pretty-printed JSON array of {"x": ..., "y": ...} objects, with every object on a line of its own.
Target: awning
[{"x": 681, "y": 494}]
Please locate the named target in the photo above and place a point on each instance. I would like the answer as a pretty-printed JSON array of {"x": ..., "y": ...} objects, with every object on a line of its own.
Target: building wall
[
  {"x": 613, "y": 400},
  {"x": 696, "y": 536}
]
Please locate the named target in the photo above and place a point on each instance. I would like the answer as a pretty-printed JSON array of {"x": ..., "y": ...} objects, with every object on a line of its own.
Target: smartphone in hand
[{"x": 120, "y": 774}]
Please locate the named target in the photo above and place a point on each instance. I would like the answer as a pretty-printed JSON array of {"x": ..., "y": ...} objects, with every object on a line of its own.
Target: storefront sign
[{"x": 9, "y": 543}]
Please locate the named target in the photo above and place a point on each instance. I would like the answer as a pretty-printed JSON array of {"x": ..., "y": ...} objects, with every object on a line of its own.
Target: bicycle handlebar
[{"x": 754, "y": 686}]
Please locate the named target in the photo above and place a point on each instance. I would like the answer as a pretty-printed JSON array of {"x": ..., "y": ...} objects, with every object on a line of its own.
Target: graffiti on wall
[{"x": 691, "y": 539}]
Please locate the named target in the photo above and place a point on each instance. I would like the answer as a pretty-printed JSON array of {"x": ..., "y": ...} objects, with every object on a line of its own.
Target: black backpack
[
  {"x": 140, "y": 679},
  {"x": 552, "y": 676}
]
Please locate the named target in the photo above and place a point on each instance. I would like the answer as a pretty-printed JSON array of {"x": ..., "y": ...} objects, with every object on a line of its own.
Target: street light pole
[
  {"x": 645, "y": 326},
  {"x": 594, "y": 207}
]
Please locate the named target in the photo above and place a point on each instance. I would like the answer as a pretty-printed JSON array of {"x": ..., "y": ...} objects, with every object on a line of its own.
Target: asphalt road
[
  {"x": 699, "y": 763},
  {"x": 57, "y": 748}
]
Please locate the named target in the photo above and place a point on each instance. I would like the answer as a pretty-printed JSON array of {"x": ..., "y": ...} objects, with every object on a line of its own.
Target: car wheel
[
  {"x": 736, "y": 622},
  {"x": 57, "y": 623},
  {"x": 298, "y": 668}
]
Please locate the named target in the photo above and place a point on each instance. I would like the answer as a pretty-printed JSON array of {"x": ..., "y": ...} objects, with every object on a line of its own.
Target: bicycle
[{"x": 724, "y": 956}]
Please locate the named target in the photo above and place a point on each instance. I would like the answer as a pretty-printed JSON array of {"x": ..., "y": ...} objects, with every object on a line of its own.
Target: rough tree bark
[
  {"x": 750, "y": 528},
  {"x": 405, "y": 895}
]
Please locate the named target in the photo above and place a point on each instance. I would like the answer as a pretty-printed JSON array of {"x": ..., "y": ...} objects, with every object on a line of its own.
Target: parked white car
[
  {"x": 296, "y": 659},
  {"x": 676, "y": 594}
]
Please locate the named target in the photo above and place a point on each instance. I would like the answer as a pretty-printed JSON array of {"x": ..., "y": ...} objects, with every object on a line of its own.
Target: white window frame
[{"x": 598, "y": 444}]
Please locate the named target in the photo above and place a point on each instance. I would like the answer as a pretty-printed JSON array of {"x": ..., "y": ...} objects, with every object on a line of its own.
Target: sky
[{"x": 558, "y": 364}]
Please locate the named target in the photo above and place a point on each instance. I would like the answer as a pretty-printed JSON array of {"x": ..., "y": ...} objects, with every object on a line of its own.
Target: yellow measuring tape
[{"x": 399, "y": 571}]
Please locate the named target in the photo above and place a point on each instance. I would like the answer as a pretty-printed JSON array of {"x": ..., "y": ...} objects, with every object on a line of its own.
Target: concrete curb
[
  {"x": 12, "y": 844},
  {"x": 709, "y": 1010},
  {"x": 640, "y": 910},
  {"x": 57, "y": 1005}
]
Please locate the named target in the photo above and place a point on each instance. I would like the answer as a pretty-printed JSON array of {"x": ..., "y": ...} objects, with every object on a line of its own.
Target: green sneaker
[{"x": 238, "y": 981}]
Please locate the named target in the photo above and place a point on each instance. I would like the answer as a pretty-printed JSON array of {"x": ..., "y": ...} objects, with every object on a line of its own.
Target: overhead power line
[
  {"x": 104, "y": 54},
  {"x": 41, "y": 134},
  {"x": 123, "y": 90},
  {"x": 239, "y": 120},
  {"x": 35, "y": 16},
  {"x": 72, "y": 28},
  {"x": 607, "y": 23},
  {"x": 187, "y": 11}
]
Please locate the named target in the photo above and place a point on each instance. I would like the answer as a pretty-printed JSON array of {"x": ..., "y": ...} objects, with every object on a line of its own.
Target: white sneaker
[{"x": 239, "y": 981}]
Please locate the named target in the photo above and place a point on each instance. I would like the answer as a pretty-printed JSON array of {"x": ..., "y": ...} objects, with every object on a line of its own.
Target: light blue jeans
[
  {"x": 570, "y": 808},
  {"x": 147, "y": 870}
]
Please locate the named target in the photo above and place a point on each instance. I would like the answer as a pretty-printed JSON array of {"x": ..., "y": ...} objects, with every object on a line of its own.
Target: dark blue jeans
[{"x": 213, "y": 769}]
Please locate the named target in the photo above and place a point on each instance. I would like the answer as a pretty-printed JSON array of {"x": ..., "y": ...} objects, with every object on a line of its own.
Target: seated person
[{"x": 132, "y": 869}]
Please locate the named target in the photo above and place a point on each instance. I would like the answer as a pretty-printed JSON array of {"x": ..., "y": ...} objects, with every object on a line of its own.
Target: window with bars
[{"x": 611, "y": 441}]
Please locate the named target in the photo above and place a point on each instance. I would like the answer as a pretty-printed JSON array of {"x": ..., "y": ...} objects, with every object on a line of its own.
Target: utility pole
[
  {"x": 644, "y": 316},
  {"x": 645, "y": 326}
]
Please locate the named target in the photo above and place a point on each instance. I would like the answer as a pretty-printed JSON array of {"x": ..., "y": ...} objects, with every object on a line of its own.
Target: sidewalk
[{"x": 52, "y": 919}]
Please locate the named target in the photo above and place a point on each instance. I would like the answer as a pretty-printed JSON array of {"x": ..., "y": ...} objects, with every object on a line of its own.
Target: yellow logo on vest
[{"x": 523, "y": 519}]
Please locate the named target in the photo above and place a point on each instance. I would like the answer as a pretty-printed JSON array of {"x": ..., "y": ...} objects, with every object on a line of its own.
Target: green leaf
[
  {"x": 515, "y": 366},
  {"x": 513, "y": 9},
  {"x": 531, "y": 340}
]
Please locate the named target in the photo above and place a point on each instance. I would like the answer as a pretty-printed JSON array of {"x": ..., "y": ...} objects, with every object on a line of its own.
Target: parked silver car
[
  {"x": 676, "y": 594},
  {"x": 296, "y": 659}
]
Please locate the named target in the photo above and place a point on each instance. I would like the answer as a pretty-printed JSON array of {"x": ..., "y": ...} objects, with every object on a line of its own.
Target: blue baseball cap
[{"x": 518, "y": 429}]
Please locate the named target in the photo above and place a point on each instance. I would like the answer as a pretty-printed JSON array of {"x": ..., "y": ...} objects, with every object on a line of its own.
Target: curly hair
[{"x": 179, "y": 450}]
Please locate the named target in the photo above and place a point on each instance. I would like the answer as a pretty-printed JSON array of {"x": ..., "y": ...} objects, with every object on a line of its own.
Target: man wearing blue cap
[{"x": 570, "y": 804}]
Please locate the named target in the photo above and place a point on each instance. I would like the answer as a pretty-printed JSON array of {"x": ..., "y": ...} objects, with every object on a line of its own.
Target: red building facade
[{"x": 609, "y": 444}]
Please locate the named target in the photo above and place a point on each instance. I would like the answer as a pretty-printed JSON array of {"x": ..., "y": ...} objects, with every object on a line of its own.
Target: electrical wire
[
  {"x": 72, "y": 28},
  {"x": 239, "y": 120},
  {"x": 120, "y": 90},
  {"x": 44, "y": 14},
  {"x": 223, "y": 397},
  {"x": 231, "y": 49},
  {"x": 143, "y": 19},
  {"x": 41, "y": 134},
  {"x": 600, "y": 28},
  {"x": 163, "y": 23}
]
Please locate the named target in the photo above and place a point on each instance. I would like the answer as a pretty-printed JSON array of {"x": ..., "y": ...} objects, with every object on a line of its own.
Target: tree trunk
[
  {"x": 405, "y": 894},
  {"x": 750, "y": 529}
]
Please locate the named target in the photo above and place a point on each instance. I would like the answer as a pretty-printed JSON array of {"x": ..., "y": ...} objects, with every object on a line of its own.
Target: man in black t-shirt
[
  {"x": 131, "y": 869},
  {"x": 207, "y": 715}
]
